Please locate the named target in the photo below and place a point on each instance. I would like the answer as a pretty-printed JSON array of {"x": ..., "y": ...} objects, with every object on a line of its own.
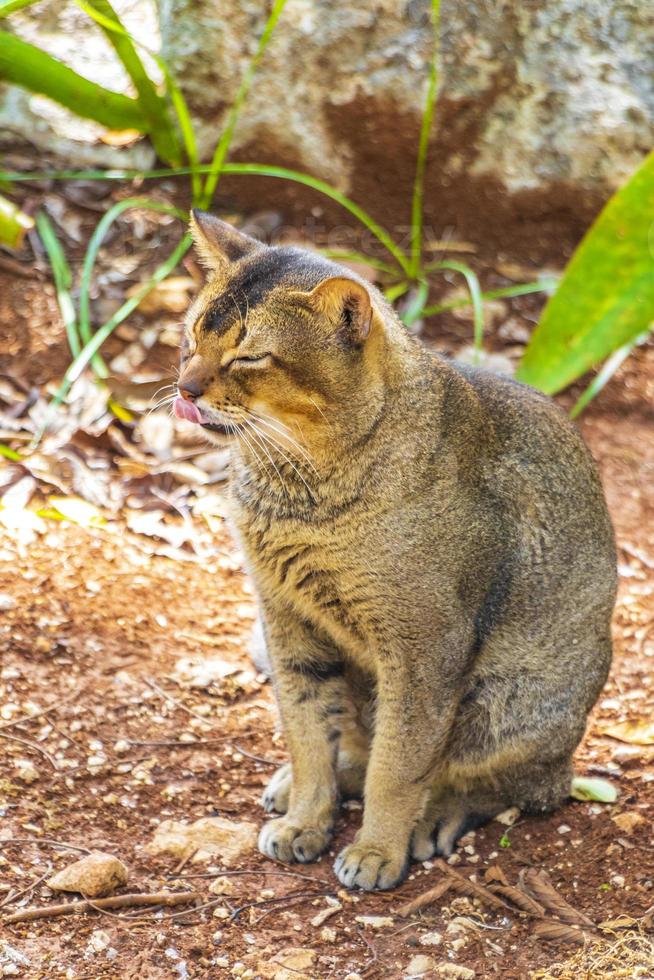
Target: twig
[
  {"x": 257, "y": 758},
  {"x": 304, "y": 896},
  {"x": 266, "y": 874},
  {"x": 44, "y": 711},
  {"x": 115, "y": 902},
  {"x": 32, "y": 745},
  {"x": 16, "y": 895},
  {"x": 185, "y": 860},
  {"x": 44, "y": 840},
  {"x": 168, "y": 697},
  {"x": 375, "y": 956}
]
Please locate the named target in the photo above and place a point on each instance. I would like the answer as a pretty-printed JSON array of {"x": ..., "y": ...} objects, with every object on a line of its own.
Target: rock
[
  {"x": 431, "y": 939},
  {"x": 454, "y": 971},
  {"x": 209, "y": 838},
  {"x": 508, "y": 817},
  {"x": 99, "y": 940},
  {"x": 328, "y": 935},
  {"x": 26, "y": 771},
  {"x": 628, "y": 821},
  {"x": 375, "y": 921},
  {"x": 7, "y": 602},
  {"x": 321, "y": 917},
  {"x": 289, "y": 964},
  {"x": 222, "y": 886},
  {"x": 94, "y": 875},
  {"x": 418, "y": 966}
]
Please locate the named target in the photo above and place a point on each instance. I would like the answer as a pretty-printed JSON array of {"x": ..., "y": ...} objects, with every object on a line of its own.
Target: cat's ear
[
  {"x": 346, "y": 302},
  {"x": 217, "y": 242}
]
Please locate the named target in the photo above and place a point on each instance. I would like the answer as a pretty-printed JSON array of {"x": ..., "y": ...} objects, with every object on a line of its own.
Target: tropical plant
[{"x": 604, "y": 305}]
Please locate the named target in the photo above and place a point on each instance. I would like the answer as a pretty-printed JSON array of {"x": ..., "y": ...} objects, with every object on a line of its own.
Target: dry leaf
[
  {"x": 558, "y": 932},
  {"x": 639, "y": 731},
  {"x": 120, "y": 137},
  {"x": 537, "y": 885}
]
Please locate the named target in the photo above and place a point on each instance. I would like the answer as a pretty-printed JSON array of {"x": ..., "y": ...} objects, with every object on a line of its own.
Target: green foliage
[
  {"x": 13, "y": 223},
  {"x": 26, "y": 65},
  {"x": 605, "y": 300}
]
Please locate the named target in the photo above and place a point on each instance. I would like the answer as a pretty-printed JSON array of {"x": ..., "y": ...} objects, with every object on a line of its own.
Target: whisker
[
  {"x": 283, "y": 431},
  {"x": 263, "y": 446},
  {"x": 280, "y": 450}
]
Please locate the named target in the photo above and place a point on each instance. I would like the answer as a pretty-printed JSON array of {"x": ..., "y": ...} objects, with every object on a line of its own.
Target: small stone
[
  {"x": 222, "y": 886},
  {"x": 508, "y": 817},
  {"x": 617, "y": 880},
  {"x": 221, "y": 912},
  {"x": 121, "y": 746},
  {"x": 99, "y": 940},
  {"x": 353, "y": 976},
  {"x": 206, "y": 839},
  {"x": 328, "y": 935},
  {"x": 375, "y": 921},
  {"x": 563, "y": 829},
  {"x": 628, "y": 821},
  {"x": 26, "y": 771},
  {"x": 431, "y": 939},
  {"x": 419, "y": 965},
  {"x": 10, "y": 970},
  {"x": 455, "y": 971},
  {"x": 94, "y": 875},
  {"x": 321, "y": 917},
  {"x": 217, "y": 937}
]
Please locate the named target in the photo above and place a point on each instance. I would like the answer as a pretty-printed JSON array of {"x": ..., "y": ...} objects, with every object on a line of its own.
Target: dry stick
[
  {"x": 257, "y": 758},
  {"x": 472, "y": 888},
  {"x": 275, "y": 901},
  {"x": 32, "y": 745},
  {"x": 426, "y": 898},
  {"x": 44, "y": 840},
  {"x": 168, "y": 697},
  {"x": 11, "y": 898},
  {"x": 115, "y": 902},
  {"x": 45, "y": 711},
  {"x": 266, "y": 874}
]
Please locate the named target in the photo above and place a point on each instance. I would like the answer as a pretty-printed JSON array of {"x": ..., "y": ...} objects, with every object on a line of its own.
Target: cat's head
[{"x": 282, "y": 334}]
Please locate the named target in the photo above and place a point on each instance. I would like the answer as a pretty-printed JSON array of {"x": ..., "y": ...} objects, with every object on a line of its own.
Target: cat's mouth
[{"x": 188, "y": 410}]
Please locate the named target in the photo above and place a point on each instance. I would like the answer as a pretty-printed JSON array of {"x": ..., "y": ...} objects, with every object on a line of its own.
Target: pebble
[
  {"x": 431, "y": 939},
  {"x": 94, "y": 875},
  {"x": 26, "y": 771},
  {"x": 419, "y": 965},
  {"x": 375, "y": 921},
  {"x": 563, "y": 829},
  {"x": 7, "y": 602}
]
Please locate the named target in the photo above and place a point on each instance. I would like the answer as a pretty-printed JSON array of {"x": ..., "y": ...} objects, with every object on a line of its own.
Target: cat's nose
[{"x": 190, "y": 389}]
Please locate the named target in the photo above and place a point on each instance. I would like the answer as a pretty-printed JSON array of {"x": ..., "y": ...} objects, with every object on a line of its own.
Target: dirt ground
[{"x": 133, "y": 660}]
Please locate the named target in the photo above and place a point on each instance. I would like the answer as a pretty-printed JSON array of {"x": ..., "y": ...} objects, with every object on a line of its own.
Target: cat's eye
[{"x": 255, "y": 360}]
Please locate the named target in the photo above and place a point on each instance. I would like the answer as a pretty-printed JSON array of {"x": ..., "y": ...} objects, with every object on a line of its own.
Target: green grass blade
[
  {"x": 92, "y": 250},
  {"x": 183, "y": 114},
  {"x": 160, "y": 127},
  {"x": 345, "y": 255},
  {"x": 9, "y": 6},
  {"x": 503, "y": 292},
  {"x": 258, "y": 169},
  {"x": 62, "y": 277},
  {"x": 606, "y": 296},
  {"x": 222, "y": 149},
  {"x": 416, "y": 307},
  {"x": 92, "y": 347},
  {"x": 476, "y": 300},
  {"x": 13, "y": 223},
  {"x": 607, "y": 371},
  {"x": 33, "y": 69},
  {"x": 398, "y": 289},
  {"x": 423, "y": 146}
]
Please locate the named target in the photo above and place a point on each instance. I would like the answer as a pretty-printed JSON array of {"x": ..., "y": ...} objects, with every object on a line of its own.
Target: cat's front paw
[
  {"x": 277, "y": 793},
  {"x": 283, "y": 840},
  {"x": 369, "y": 866}
]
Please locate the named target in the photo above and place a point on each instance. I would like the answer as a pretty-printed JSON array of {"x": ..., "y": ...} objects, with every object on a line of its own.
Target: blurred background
[{"x": 488, "y": 165}]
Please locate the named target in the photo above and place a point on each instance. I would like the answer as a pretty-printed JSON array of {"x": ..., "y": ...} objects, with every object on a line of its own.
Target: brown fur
[{"x": 431, "y": 550}]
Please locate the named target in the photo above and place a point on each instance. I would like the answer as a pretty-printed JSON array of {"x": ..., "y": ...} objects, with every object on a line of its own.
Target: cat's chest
[{"x": 317, "y": 572}]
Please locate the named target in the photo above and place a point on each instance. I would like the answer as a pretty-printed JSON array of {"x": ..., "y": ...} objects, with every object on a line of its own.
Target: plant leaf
[
  {"x": 590, "y": 788},
  {"x": 13, "y": 224},
  {"x": 606, "y": 296},
  {"x": 160, "y": 126},
  {"x": 26, "y": 65},
  {"x": 78, "y": 511},
  {"x": 640, "y": 731}
]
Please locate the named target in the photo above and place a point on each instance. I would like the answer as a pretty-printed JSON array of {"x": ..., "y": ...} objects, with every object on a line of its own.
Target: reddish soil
[{"x": 91, "y": 633}]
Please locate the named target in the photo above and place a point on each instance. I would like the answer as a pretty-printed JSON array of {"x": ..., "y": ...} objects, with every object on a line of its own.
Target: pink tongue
[{"x": 185, "y": 409}]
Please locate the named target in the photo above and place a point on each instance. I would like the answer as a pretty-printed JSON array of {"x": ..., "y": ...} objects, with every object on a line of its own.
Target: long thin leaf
[
  {"x": 91, "y": 348},
  {"x": 423, "y": 145},
  {"x": 13, "y": 223},
  {"x": 503, "y": 292},
  {"x": 606, "y": 296},
  {"x": 615, "y": 361},
  {"x": 9, "y": 6},
  {"x": 92, "y": 250},
  {"x": 160, "y": 126},
  {"x": 26, "y": 65},
  {"x": 222, "y": 149},
  {"x": 474, "y": 288},
  {"x": 63, "y": 279},
  {"x": 416, "y": 305},
  {"x": 258, "y": 169}
]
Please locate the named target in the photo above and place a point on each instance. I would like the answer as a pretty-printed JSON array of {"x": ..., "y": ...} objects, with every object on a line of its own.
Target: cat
[{"x": 431, "y": 550}]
